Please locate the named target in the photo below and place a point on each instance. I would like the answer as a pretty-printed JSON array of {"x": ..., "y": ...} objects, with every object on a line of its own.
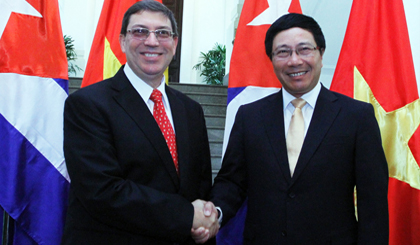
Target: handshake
[{"x": 205, "y": 223}]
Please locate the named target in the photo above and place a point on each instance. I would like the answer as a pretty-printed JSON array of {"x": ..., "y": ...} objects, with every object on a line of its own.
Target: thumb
[{"x": 208, "y": 209}]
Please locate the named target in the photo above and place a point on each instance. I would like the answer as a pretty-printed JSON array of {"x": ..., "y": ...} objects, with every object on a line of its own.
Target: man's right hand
[{"x": 205, "y": 223}]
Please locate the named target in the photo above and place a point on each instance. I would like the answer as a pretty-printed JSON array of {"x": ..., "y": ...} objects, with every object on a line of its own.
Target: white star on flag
[
  {"x": 16, "y": 6},
  {"x": 276, "y": 9}
]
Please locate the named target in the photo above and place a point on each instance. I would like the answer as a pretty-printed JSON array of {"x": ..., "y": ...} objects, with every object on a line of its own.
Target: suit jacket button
[
  {"x": 284, "y": 233},
  {"x": 292, "y": 195}
]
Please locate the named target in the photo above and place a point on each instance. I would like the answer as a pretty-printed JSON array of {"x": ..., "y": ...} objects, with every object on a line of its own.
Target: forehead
[
  {"x": 149, "y": 20},
  {"x": 293, "y": 36}
]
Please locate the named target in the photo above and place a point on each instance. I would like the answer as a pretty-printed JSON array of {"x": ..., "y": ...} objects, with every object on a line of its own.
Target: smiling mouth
[
  {"x": 297, "y": 74},
  {"x": 151, "y": 55}
]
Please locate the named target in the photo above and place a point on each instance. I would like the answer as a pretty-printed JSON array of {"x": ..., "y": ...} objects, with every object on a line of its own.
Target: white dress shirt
[
  {"x": 307, "y": 110},
  {"x": 145, "y": 90}
]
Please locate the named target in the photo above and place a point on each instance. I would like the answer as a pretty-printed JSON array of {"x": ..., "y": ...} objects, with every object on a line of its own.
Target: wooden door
[{"x": 176, "y": 6}]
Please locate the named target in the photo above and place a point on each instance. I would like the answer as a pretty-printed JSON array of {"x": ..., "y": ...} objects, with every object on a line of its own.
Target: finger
[
  {"x": 200, "y": 235},
  {"x": 209, "y": 208},
  {"x": 199, "y": 232},
  {"x": 202, "y": 240}
]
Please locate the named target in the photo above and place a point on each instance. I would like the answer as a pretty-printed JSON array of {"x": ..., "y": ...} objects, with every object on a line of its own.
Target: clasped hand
[{"x": 205, "y": 223}]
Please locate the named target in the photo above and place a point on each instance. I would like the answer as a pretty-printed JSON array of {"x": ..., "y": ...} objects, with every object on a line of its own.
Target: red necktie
[{"x": 165, "y": 126}]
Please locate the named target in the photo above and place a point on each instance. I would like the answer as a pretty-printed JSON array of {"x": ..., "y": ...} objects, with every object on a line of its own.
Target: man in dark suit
[
  {"x": 311, "y": 201},
  {"x": 130, "y": 184}
]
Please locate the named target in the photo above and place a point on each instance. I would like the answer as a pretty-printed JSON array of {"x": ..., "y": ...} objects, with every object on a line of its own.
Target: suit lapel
[
  {"x": 179, "y": 116},
  {"x": 128, "y": 98},
  {"x": 323, "y": 117},
  {"x": 273, "y": 117}
]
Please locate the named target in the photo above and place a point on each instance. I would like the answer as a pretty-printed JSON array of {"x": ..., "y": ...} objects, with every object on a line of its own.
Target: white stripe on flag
[
  {"x": 34, "y": 106},
  {"x": 248, "y": 95}
]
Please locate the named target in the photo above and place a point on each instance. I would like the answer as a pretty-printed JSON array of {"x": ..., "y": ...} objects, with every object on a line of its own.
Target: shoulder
[
  {"x": 94, "y": 87},
  {"x": 353, "y": 109},
  {"x": 272, "y": 102},
  {"x": 104, "y": 88},
  {"x": 350, "y": 103},
  {"x": 99, "y": 95}
]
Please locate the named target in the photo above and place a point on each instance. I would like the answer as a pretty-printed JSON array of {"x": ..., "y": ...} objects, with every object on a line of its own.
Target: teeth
[
  {"x": 151, "y": 55},
  {"x": 297, "y": 74}
]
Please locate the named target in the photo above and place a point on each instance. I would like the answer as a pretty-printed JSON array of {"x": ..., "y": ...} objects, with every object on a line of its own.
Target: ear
[
  {"x": 175, "y": 44},
  {"x": 322, "y": 51},
  {"x": 122, "y": 42}
]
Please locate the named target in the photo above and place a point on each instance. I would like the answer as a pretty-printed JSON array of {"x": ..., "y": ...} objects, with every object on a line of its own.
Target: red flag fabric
[
  {"x": 32, "y": 50},
  {"x": 105, "y": 56},
  {"x": 295, "y": 7},
  {"x": 248, "y": 49},
  {"x": 376, "y": 65}
]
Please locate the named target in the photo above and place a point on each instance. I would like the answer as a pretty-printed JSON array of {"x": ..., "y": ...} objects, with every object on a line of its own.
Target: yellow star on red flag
[{"x": 397, "y": 127}]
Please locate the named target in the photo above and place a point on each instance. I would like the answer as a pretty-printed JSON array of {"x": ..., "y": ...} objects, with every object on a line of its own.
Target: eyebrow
[
  {"x": 287, "y": 46},
  {"x": 159, "y": 28}
]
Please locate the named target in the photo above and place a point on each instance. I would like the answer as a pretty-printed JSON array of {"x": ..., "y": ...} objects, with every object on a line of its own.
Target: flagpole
[{"x": 5, "y": 232}]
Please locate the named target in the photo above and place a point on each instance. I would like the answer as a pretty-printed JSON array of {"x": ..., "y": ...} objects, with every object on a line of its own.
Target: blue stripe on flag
[
  {"x": 231, "y": 234},
  {"x": 233, "y": 92},
  {"x": 28, "y": 187},
  {"x": 63, "y": 83}
]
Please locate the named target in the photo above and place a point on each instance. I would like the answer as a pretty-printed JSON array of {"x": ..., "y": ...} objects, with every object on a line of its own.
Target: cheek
[{"x": 173, "y": 50}]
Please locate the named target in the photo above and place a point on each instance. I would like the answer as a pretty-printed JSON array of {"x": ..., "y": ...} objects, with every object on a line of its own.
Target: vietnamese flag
[
  {"x": 251, "y": 78},
  {"x": 376, "y": 66},
  {"x": 105, "y": 56}
]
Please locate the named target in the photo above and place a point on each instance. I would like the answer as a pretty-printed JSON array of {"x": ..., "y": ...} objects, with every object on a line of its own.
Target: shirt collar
[
  {"x": 310, "y": 97},
  {"x": 144, "y": 89}
]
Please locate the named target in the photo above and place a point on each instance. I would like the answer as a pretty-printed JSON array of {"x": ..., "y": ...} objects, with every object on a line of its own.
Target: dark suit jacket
[
  {"x": 342, "y": 149},
  {"x": 124, "y": 186}
]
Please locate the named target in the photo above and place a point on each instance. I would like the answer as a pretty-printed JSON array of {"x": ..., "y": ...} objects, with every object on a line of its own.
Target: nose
[
  {"x": 294, "y": 59},
  {"x": 151, "y": 40}
]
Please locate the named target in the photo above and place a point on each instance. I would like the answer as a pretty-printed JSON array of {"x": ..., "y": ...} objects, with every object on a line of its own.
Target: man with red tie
[{"x": 137, "y": 151}]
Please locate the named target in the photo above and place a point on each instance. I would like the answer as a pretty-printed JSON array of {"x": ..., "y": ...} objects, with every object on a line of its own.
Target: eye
[
  {"x": 163, "y": 33},
  {"x": 282, "y": 52},
  {"x": 305, "y": 50},
  {"x": 140, "y": 31}
]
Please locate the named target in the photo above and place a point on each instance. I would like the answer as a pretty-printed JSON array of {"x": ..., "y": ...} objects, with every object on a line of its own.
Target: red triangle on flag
[
  {"x": 248, "y": 51},
  {"x": 250, "y": 65},
  {"x": 28, "y": 45}
]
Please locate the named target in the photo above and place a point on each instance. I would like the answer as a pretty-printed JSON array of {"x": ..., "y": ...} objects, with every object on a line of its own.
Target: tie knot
[
  {"x": 298, "y": 103},
  {"x": 156, "y": 96}
]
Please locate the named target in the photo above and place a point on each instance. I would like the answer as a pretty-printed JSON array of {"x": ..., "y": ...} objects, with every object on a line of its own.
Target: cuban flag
[
  {"x": 251, "y": 78},
  {"x": 33, "y": 87}
]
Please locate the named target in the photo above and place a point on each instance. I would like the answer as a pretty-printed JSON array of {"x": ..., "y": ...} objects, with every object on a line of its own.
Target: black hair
[
  {"x": 148, "y": 5},
  {"x": 292, "y": 20}
]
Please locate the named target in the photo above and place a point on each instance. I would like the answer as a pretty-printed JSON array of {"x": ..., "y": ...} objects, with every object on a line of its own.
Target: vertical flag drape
[
  {"x": 33, "y": 87},
  {"x": 376, "y": 65},
  {"x": 105, "y": 56},
  {"x": 251, "y": 78}
]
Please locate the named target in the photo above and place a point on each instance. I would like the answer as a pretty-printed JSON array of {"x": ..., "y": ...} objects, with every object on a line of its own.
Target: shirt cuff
[{"x": 219, "y": 210}]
